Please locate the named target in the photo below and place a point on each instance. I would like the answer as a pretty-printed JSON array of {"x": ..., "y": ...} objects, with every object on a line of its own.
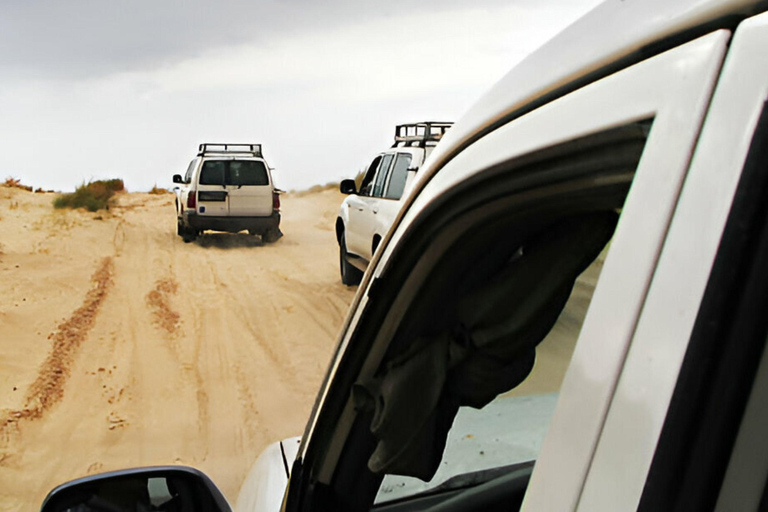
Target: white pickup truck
[
  {"x": 227, "y": 187},
  {"x": 367, "y": 214}
]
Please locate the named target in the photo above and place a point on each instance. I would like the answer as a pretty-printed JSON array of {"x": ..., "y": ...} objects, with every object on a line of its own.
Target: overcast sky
[{"x": 95, "y": 89}]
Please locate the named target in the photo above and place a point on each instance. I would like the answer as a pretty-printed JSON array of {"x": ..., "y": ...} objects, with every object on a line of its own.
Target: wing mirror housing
[
  {"x": 177, "y": 178},
  {"x": 151, "y": 488},
  {"x": 348, "y": 187}
]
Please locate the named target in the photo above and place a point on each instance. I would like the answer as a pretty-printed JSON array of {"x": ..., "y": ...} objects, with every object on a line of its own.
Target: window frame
[
  {"x": 666, "y": 326},
  {"x": 722, "y": 357}
]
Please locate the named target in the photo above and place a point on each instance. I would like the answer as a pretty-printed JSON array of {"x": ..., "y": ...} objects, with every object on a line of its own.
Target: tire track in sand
[
  {"x": 168, "y": 320},
  {"x": 48, "y": 388},
  {"x": 158, "y": 300}
]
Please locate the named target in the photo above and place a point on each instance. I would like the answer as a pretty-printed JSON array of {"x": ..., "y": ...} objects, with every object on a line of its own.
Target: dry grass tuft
[
  {"x": 93, "y": 196},
  {"x": 317, "y": 188},
  {"x": 12, "y": 182},
  {"x": 159, "y": 191}
]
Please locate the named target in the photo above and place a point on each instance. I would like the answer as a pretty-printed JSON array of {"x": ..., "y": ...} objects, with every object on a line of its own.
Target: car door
[
  {"x": 695, "y": 306},
  {"x": 357, "y": 207},
  {"x": 212, "y": 196},
  {"x": 184, "y": 190},
  {"x": 248, "y": 188},
  {"x": 362, "y": 218},
  {"x": 652, "y": 96},
  {"x": 386, "y": 207}
]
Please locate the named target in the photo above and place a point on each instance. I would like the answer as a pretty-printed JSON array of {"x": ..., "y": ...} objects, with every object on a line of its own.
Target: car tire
[
  {"x": 179, "y": 227},
  {"x": 350, "y": 275},
  {"x": 271, "y": 236}
]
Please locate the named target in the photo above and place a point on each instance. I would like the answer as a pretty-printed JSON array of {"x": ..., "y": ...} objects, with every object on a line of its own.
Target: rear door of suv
[
  {"x": 248, "y": 187},
  {"x": 212, "y": 194},
  {"x": 234, "y": 188}
]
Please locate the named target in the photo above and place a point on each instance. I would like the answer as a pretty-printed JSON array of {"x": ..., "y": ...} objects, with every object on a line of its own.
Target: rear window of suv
[
  {"x": 234, "y": 172},
  {"x": 247, "y": 172}
]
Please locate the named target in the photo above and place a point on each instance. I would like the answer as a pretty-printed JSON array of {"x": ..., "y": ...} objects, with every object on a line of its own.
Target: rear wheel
[
  {"x": 350, "y": 275},
  {"x": 186, "y": 233},
  {"x": 271, "y": 236}
]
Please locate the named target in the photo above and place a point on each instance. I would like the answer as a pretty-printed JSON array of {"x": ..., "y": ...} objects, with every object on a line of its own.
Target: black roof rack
[
  {"x": 418, "y": 134},
  {"x": 217, "y": 148}
]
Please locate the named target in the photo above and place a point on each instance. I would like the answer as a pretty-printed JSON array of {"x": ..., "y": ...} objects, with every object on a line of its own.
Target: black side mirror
[
  {"x": 177, "y": 178},
  {"x": 153, "y": 488},
  {"x": 348, "y": 187}
]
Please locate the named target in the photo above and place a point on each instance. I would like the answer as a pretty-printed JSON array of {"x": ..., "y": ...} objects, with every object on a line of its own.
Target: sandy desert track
[{"x": 122, "y": 346}]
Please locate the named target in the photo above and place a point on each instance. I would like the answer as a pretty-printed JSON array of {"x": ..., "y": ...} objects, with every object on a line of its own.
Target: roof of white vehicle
[
  {"x": 610, "y": 32},
  {"x": 231, "y": 156}
]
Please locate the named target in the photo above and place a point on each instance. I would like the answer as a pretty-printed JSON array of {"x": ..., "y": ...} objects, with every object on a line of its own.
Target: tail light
[
  {"x": 192, "y": 199},
  {"x": 275, "y": 201}
]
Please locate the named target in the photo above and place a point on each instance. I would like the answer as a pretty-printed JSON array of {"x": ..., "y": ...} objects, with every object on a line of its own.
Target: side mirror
[
  {"x": 177, "y": 178},
  {"x": 153, "y": 488},
  {"x": 348, "y": 187}
]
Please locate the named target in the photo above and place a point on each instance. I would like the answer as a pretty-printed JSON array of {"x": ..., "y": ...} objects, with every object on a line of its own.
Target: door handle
[{"x": 375, "y": 210}]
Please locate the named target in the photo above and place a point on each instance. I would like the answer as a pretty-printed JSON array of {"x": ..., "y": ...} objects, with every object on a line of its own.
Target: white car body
[
  {"x": 366, "y": 215},
  {"x": 697, "y": 70},
  {"x": 366, "y": 218},
  {"x": 242, "y": 198}
]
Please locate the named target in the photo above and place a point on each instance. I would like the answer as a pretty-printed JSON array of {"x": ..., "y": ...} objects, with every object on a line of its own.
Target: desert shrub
[
  {"x": 319, "y": 188},
  {"x": 12, "y": 182},
  {"x": 315, "y": 189},
  {"x": 115, "y": 185},
  {"x": 158, "y": 191},
  {"x": 93, "y": 196}
]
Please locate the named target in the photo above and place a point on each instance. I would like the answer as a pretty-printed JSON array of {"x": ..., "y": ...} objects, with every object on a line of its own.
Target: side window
[
  {"x": 366, "y": 186},
  {"x": 213, "y": 172},
  {"x": 190, "y": 170},
  {"x": 398, "y": 176},
  {"x": 381, "y": 176}
]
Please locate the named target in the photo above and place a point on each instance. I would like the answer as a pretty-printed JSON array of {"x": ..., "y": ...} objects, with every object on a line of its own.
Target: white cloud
[{"x": 322, "y": 101}]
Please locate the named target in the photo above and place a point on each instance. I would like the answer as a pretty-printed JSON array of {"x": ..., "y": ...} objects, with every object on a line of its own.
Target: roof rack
[
  {"x": 419, "y": 134},
  {"x": 208, "y": 148}
]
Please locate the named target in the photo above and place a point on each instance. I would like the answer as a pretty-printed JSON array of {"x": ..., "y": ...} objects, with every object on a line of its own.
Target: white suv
[
  {"x": 227, "y": 187},
  {"x": 367, "y": 214}
]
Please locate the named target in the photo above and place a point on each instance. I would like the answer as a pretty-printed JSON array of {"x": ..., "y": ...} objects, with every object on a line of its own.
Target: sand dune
[{"x": 122, "y": 346}]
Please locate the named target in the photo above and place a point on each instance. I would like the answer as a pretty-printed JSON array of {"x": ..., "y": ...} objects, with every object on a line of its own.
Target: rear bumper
[{"x": 258, "y": 225}]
